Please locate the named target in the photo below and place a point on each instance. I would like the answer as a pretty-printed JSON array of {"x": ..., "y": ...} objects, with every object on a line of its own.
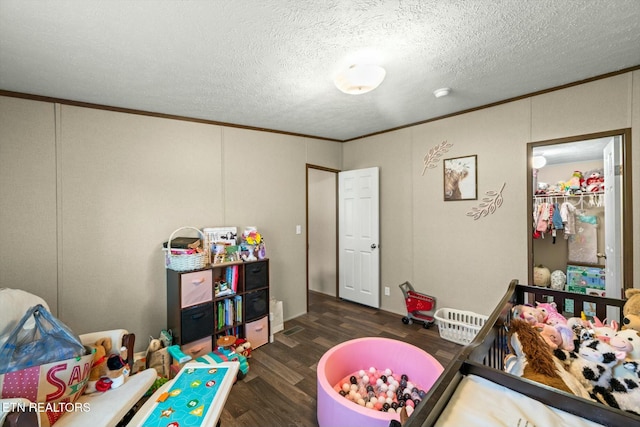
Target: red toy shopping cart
[{"x": 420, "y": 307}]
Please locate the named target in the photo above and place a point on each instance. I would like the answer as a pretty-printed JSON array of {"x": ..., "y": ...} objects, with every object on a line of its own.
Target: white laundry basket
[{"x": 459, "y": 326}]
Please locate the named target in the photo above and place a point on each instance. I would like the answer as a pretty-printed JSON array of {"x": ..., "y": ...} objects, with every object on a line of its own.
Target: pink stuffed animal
[
  {"x": 556, "y": 336},
  {"x": 550, "y": 312},
  {"x": 602, "y": 330},
  {"x": 528, "y": 313}
]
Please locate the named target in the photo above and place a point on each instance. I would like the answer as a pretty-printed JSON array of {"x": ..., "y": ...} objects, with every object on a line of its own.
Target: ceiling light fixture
[
  {"x": 439, "y": 93},
  {"x": 538, "y": 162},
  {"x": 360, "y": 78}
]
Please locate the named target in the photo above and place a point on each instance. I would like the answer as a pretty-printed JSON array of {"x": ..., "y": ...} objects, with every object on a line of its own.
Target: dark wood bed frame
[{"x": 484, "y": 357}]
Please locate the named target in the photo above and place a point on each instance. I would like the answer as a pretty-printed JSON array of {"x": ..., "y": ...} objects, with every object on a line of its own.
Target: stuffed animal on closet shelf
[
  {"x": 576, "y": 181},
  {"x": 631, "y": 310},
  {"x": 594, "y": 182}
]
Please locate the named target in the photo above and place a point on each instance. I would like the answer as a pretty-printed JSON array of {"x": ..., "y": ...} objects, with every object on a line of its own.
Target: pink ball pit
[{"x": 363, "y": 353}]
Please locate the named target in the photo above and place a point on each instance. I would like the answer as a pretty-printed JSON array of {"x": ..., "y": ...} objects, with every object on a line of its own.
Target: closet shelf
[{"x": 592, "y": 193}]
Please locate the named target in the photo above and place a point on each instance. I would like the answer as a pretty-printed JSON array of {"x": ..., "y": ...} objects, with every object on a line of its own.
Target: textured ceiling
[{"x": 270, "y": 64}]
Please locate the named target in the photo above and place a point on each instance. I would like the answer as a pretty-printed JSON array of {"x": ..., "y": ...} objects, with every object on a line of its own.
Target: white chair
[{"x": 104, "y": 409}]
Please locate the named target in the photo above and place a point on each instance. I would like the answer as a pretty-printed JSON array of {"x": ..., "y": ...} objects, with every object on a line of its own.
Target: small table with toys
[{"x": 194, "y": 398}]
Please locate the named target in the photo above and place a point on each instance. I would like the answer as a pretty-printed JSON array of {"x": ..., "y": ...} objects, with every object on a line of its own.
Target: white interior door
[
  {"x": 612, "y": 216},
  {"x": 359, "y": 232}
]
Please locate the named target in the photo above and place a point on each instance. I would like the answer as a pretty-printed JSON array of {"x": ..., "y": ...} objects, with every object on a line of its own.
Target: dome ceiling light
[{"x": 360, "y": 78}]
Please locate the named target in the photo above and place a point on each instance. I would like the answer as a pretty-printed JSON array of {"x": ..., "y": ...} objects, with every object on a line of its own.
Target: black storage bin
[
  {"x": 256, "y": 275},
  {"x": 197, "y": 322},
  {"x": 256, "y": 304}
]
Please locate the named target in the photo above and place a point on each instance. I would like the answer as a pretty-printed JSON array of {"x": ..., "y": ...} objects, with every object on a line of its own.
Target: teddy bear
[
  {"x": 99, "y": 368},
  {"x": 631, "y": 310}
]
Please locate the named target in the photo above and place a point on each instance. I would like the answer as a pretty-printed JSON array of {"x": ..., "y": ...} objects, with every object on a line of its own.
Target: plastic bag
[{"x": 49, "y": 340}]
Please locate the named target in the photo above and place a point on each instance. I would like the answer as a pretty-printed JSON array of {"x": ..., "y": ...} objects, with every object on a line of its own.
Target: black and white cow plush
[
  {"x": 592, "y": 364},
  {"x": 624, "y": 394}
]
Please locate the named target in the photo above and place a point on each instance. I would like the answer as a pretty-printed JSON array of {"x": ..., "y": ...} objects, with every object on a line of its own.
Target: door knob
[{"x": 373, "y": 246}]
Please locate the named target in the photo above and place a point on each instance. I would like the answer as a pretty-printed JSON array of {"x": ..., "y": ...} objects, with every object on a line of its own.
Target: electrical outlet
[{"x": 386, "y": 291}]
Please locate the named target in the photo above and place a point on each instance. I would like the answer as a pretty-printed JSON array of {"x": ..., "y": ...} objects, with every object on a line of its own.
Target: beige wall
[
  {"x": 467, "y": 263},
  {"x": 88, "y": 196}
]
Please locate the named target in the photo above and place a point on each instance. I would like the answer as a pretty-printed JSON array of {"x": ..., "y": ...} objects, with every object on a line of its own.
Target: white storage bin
[{"x": 276, "y": 316}]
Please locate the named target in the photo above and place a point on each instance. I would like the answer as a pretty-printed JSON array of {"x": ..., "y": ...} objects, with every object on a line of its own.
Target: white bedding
[{"x": 479, "y": 402}]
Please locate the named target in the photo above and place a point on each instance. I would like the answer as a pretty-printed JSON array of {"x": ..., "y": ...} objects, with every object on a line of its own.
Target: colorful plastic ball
[
  {"x": 410, "y": 403},
  {"x": 404, "y": 377},
  {"x": 353, "y": 380},
  {"x": 403, "y": 383},
  {"x": 387, "y": 372},
  {"x": 372, "y": 370},
  {"x": 369, "y": 405},
  {"x": 377, "y": 406},
  {"x": 394, "y": 405},
  {"x": 400, "y": 403},
  {"x": 369, "y": 387},
  {"x": 343, "y": 393},
  {"x": 386, "y": 405},
  {"x": 360, "y": 402},
  {"x": 346, "y": 386},
  {"x": 361, "y": 373},
  {"x": 416, "y": 401},
  {"x": 422, "y": 394},
  {"x": 365, "y": 379},
  {"x": 379, "y": 382},
  {"x": 383, "y": 378},
  {"x": 409, "y": 411},
  {"x": 354, "y": 387},
  {"x": 390, "y": 393}
]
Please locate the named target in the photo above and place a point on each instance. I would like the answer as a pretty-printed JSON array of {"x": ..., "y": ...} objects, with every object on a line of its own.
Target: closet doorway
[
  {"x": 579, "y": 197},
  {"x": 322, "y": 230}
]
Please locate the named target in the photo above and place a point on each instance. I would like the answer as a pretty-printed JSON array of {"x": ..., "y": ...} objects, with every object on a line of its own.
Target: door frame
[
  {"x": 627, "y": 199},
  {"x": 335, "y": 172}
]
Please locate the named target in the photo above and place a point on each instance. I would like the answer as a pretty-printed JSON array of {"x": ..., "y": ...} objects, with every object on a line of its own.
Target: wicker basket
[
  {"x": 186, "y": 262},
  {"x": 459, "y": 326}
]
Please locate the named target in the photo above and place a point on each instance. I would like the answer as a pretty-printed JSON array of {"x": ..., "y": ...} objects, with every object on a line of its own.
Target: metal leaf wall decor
[
  {"x": 489, "y": 204},
  {"x": 431, "y": 160}
]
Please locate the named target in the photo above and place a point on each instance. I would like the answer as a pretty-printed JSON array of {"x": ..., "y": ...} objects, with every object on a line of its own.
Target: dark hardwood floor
[{"x": 280, "y": 388}]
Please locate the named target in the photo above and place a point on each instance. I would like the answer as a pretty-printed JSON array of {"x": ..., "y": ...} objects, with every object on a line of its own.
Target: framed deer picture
[{"x": 461, "y": 178}]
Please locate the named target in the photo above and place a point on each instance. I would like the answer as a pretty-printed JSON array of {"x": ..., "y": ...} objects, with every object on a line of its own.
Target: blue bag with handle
[{"x": 47, "y": 340}]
